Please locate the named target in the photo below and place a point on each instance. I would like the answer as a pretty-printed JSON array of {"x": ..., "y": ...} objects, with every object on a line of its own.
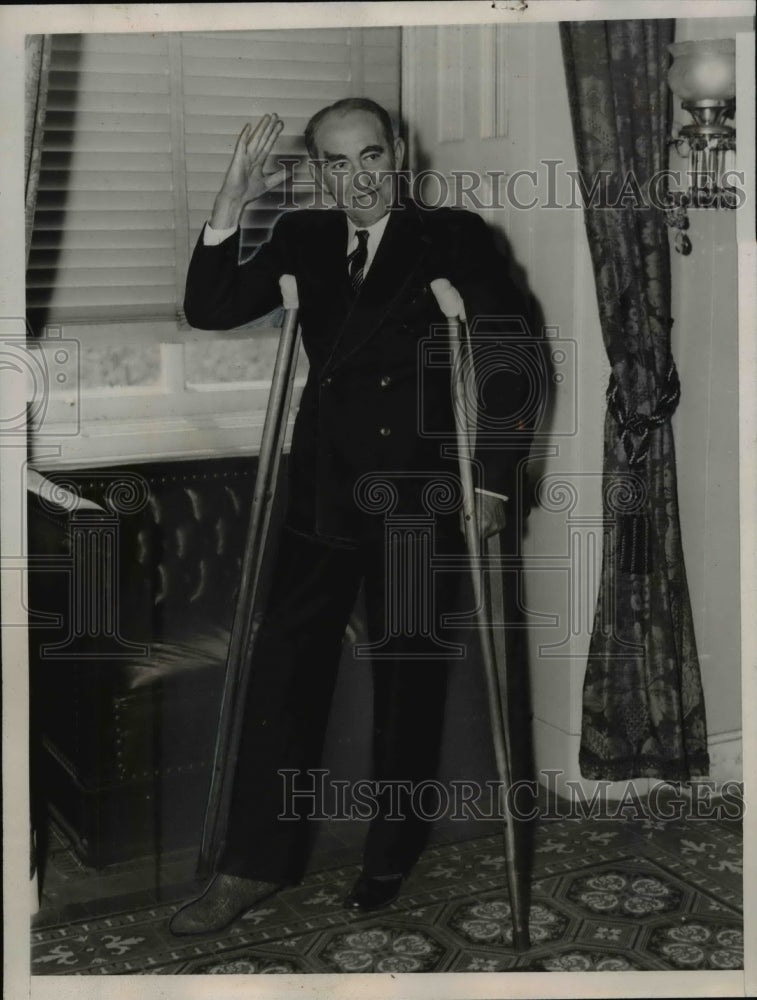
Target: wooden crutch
[
  {"x": 247, "y": 614},
  {"x": 488, "y": 595}
]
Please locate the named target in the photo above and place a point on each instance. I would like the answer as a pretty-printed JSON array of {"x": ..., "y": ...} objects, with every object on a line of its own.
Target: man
[{"x": 370, "y": 408}]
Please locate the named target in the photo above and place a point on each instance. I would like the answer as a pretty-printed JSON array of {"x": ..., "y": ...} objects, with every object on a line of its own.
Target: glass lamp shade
[
  {"x": 703, "y": 77},
  {"x": 703, "y": 71}
]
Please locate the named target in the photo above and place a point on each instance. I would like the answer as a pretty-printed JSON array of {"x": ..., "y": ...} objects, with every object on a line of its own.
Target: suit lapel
[{"x": 400, "y": 253}]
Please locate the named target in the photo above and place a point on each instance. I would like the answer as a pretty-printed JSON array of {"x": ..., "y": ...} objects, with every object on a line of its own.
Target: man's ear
[{"x": 399, "y": 152}]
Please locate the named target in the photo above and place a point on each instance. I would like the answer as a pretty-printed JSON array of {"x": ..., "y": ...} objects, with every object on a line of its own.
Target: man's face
[{"x": 353, "y": 150}]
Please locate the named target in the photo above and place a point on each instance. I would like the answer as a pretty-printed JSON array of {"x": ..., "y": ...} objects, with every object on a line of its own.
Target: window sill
[
  {"x": 157, "y": 331},
  {"x": 174, "y": 416}
]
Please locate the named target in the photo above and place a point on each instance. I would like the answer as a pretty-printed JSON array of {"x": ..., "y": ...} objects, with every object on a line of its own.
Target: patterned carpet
[{"x": 622, "y": 894}]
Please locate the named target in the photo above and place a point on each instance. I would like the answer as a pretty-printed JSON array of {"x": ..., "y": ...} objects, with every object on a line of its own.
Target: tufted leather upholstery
[{"x": 126, "y": 688}]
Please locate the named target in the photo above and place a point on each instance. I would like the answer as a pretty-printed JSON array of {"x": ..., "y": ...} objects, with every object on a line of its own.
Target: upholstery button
[
  {"x": 385, "y": 431},
  {"x": 385, "y": 381}
]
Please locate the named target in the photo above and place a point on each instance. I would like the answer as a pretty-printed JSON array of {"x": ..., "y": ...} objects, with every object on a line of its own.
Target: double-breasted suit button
[
  {"x": 385, "y": 431},
  {"x": 385, "y": 381},
  {"x": 326, "y": 382}
]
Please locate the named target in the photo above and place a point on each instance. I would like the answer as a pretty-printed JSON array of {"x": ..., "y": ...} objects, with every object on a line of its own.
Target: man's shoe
[
  {"x": 225, "y": 899},
  {"x": 373, "y": 893}
]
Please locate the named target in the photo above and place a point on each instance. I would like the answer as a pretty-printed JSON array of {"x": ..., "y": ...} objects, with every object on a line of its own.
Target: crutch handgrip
[
  {"x": 449, "y": 299},
  {"x": 288, "y": 286}
]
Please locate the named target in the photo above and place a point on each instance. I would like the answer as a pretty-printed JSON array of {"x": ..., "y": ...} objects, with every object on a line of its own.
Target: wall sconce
[{"x": 703, "y": 76}]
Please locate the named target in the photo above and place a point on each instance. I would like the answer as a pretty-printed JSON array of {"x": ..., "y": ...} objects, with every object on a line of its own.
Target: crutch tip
[{"x": 521, "y": 939}]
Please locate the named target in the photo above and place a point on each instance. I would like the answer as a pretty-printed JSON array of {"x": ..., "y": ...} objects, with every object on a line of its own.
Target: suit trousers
[{"x": 293, "y": 672}]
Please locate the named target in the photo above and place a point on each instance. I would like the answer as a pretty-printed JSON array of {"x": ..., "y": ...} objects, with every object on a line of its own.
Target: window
[{"x": 138, "y": 134}]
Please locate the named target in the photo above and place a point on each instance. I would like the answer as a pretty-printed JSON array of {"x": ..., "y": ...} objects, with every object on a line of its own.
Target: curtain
[
  {"x": 643, "y": 708},
  {"x": 36, "y": 80}
]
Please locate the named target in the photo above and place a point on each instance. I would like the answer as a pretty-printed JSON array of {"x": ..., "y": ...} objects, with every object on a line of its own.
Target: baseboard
[{"x": 726, "y": 757}]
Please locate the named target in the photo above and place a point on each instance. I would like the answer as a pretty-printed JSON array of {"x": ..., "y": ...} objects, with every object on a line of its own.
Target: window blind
[
  {"x": 138, "y": 135},
  {"x": 103, "y": 228}
]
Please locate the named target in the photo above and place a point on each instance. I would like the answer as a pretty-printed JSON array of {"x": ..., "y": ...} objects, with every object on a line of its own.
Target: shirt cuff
[
  {"x": 491, "y": 493},
  {"x": 212, "y": 237}
]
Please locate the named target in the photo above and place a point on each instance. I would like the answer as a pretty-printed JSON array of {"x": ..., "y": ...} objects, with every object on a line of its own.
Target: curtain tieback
[
  {"x": 634, "y": 428},
  {"x": 634, "y": 541}
]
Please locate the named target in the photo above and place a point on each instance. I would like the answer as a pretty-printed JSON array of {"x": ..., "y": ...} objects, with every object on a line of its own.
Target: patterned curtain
[
  {"x": 37, "y": 73},
  {"x": 643, "y": 709}
]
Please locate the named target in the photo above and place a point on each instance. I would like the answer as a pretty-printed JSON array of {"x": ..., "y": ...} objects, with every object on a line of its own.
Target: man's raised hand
[{"x": 245, "y": 180}]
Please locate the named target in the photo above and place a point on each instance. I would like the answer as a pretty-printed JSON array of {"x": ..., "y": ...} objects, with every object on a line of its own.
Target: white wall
[
  {"x": 450, "y": 104},
  {"x": 705, "y": 346}
]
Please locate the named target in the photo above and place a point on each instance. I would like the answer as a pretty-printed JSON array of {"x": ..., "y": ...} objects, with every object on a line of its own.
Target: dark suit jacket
[{"x": 365, "y": 351}]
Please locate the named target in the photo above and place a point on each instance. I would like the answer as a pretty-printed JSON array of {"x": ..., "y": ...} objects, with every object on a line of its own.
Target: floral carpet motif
[
  {"x": 698, "y": 945},
  {"x": 607, "y": 895},
  {"x": 624, "y": 893},
  {"x": 383, "y": 949}
]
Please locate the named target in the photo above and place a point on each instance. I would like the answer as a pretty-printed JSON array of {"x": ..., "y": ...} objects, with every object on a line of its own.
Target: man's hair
[{"x": 343, "y": 107}]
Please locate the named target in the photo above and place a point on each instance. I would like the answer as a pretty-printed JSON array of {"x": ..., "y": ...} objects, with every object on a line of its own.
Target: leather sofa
[{"x": 131, "y": 607}]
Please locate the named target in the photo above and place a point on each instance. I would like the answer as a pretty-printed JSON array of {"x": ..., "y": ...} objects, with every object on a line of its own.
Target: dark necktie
[{"x": 356, "y": 260}]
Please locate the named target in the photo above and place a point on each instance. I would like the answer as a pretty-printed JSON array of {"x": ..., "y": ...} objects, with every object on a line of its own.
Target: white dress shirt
[
  {"x": 375, "y": 233},
  {"x": 212, "y": 237}
]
